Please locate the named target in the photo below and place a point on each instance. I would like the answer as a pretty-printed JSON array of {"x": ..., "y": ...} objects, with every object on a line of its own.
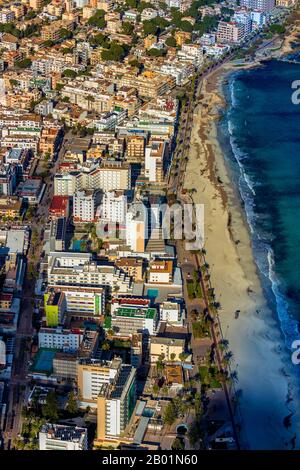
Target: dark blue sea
[{"x": 260, "y": 132}]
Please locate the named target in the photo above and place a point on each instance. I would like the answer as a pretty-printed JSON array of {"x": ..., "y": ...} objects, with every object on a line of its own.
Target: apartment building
[
  {"x": 135, "y": 148},
  {"x": 62, "y": 437},
  {"x": 111, "y": 176},
  {"x": 65, "y": 366},
  {"x": 75, "y": 269},
  {"x": 258, "y": 19},
  {"x": 131, "y": 266},
  {"x": 136, "y": 230},
  {"x": 169, "y": 349},
  {"x": 243, "y": 17},
  {"x": 191, "y": 53},
  {"x": 36, "y": 4},
  {"x": 55, "y": 308},
  {"x": 261, "y": 5},
  {"x": 114, "y": 207},
  {"x": 149, "y": 84},
  {"x": 115, "y": 404},
  {"x": 6, "y": 16},
  {"x": 155, "y": 159},
  {"x": 85, "y": 205},
  {"x": 91, "y": 375},
  {"x": 83, "y": 302},
  {"x": 106, "y": 5},
  {"x": 60, "y": 338},
  {"x": 182, "y": 37},
  {"x": 88, "y": 97},
  {"x": 131, "y": 319},
  {"x": 66, "y": 184},
  {"x": 230, "y": 32},
  {"x": 171, "y": 312},
  {"x": 49, "y": 140},
  {"x": 160, "y": 272},
  {"x": 285, "y": 3}
]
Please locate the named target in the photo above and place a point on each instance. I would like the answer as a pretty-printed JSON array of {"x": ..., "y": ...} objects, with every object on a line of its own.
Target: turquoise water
[
  {"x": 260, "y": 136},
  {"x": 78, "y": 244},
  {"x": 152, "y": 293},
  {"x": 44, "y": 360},
  {"x": 262, "y": 126}
]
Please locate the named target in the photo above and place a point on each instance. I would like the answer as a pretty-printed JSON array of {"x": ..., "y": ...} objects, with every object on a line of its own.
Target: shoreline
[{"x": 255, "y": 338}]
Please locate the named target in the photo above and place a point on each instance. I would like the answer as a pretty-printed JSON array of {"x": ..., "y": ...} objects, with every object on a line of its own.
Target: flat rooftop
[{"x": 148, "y": 313}]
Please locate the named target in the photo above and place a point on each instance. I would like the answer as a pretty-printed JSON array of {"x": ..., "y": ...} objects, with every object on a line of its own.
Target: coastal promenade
[
  {"x": 203, "y": 179},
  {"x": 192, "y": 261}
]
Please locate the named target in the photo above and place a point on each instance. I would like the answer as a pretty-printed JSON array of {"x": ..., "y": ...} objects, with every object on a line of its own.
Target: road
[{"x": 25, "y": 331}]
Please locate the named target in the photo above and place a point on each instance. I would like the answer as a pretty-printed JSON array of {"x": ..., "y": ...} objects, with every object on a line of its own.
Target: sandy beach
[{"x": 259, "y": 357}]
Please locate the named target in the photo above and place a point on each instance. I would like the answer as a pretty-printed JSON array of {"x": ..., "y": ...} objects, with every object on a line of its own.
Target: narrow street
[{"x": 18, "y": 383}]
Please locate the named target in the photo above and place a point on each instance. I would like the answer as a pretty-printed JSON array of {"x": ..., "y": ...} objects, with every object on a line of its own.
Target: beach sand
[{"x": 259, "y": 356}]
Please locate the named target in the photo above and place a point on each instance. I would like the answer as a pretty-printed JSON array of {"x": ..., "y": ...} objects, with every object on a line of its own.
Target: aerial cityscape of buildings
[{"x": 105, "y": 325}]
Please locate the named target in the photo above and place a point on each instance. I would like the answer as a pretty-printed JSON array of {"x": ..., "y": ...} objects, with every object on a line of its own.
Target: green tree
[
  {"x": 132, "y": 3},
  {"x": 50, "y": 408},
  {"x": 154, "y": 52},
  {"x": 186, "y": 26},
  {"x": 116, "y": 52},
  {"x": 69, "y": 73},
  {"x": 195, "y": 433},
  {"x": 72, "y": 407},
  {"x": 105, "y": 346},
  {"x": 277, "y": 28},
  {"x": 99, "y": 40},
  {"x": 178, "y": 444},
  {"x": 171, "y": 42},
  {"x": 127, "y": 28},
  {"x": 23, "y": 64},
  {"x": 97, "y": 20},
  {"x": 150, "y": 27},
  {"x": 170, "y": 414},
  {"x": 64, "y": 33}
]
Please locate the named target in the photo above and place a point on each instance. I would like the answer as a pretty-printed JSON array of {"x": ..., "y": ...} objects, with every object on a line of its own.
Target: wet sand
[{"x": 254, "y": 338}]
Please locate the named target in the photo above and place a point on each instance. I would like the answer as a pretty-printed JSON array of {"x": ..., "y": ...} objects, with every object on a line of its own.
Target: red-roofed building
[{"x": 59, "y": 206}]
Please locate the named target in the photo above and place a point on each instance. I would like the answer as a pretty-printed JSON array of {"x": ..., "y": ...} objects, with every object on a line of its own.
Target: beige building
[
  {"x": 91, "y": 375},
  {"x": 167, "y": 348},
  {"x": 285, "y": 3},
  {"x": 230, "y": 32},
  {"x": 105, "y": 5},
  {"x": 36, "y": 4},
  {"x": 149, "y": 84},
  {"x": 182, "y": 37},
  {"x": 115, "y": 404},
  {"x": 149, "y": 41},
  {"x": 160, "y": 272},
  {"x": 132, "y": 266},
  {"x": 135, "y": 149},
  {"x": 65, "y": 366},
  {"x": 154, "y": 160}
]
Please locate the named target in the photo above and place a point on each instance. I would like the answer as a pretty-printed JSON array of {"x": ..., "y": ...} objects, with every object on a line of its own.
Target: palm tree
[
  {"x": 224, "y": 344},
  {"x": 234, "y": 376},
  {"x": 227, "y": 357}
]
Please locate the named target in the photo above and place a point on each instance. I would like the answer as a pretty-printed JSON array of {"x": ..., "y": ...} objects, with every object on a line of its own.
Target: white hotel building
[{"x": 114, "y": 207}]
